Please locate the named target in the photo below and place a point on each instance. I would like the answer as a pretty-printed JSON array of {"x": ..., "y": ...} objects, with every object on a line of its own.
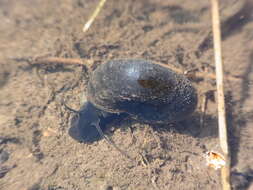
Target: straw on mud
[
  {"x": 94, "y": 15},
  {"x": 73, "y": 61},
  {"x": 67, "y": 61},
  {"x": 225, "y": 171}
]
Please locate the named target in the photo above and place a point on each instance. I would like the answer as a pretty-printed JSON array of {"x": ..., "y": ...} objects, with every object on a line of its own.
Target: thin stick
[
  {"x": 203, "y": 110},
  {"x": 68, "y": 61},
  {"x": 196, "y": 74},
  {"x": 112, "y": 143},
  {"x": 225, "y": 171},
  {"x": 94, "y": 15},
  {"x": 54, "y": 60},
  {"x": 73, "y": 61}
]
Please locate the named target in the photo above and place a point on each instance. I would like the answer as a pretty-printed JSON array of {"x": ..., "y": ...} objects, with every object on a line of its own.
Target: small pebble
[
  {"x": 4, "y": 140},
  {"x": 4, "y": 156},
  {"x": 4, "y": 170}
]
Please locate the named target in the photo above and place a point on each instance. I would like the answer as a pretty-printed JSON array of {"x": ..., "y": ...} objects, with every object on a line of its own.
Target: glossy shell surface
[{"x": 148, "y": 92}]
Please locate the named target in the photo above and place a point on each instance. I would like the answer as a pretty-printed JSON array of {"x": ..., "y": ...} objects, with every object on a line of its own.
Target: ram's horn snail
[{"x": 143, "y": 90}]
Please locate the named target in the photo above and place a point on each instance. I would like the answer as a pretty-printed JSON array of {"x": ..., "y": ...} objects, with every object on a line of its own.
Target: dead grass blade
[
  {"x": 225, "y": 171},
  {"x": 94, "y": 15}
]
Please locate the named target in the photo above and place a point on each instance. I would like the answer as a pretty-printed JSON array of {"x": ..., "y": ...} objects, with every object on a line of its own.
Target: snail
[{"x": 135, "y": 88}]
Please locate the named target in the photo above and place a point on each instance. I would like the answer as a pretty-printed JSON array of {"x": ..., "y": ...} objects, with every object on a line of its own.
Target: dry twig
[
  {"x": 196, "y": 74},
  {"x": 94, "y": 15},
  {"x": 72, "y": 61},
  {"x": 47, "y": 60},
  {"x": 109, "y": 141},
  {"x": 225, "y": 171},
  {"x": 203, "y": 110}
]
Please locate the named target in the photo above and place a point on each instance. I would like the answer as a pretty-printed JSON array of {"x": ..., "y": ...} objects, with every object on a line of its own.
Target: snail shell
[{"x": 143, "y": 90}]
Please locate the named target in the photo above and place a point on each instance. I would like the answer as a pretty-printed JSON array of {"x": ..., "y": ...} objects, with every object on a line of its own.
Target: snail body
[{"x": 143, "y": 90}]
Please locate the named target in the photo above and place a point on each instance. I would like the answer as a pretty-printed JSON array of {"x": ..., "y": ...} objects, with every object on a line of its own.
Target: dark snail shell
[{"x": 145, "y": 91}]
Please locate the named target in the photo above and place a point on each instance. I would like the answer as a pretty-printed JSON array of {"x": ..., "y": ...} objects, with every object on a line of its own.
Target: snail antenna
[{"x": 112, "y": 143}]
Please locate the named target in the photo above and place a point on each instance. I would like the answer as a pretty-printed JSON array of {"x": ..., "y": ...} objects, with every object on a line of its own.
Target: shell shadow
[
  {"x": 236, "y": 22},
  {"x": 89, "y": 134},
  {"x": 236, "y": 118},
  {"x": 190, "y": 126}
]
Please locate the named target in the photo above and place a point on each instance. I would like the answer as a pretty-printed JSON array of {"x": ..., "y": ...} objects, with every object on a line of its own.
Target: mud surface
[{"x": 36, "y": 152}]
